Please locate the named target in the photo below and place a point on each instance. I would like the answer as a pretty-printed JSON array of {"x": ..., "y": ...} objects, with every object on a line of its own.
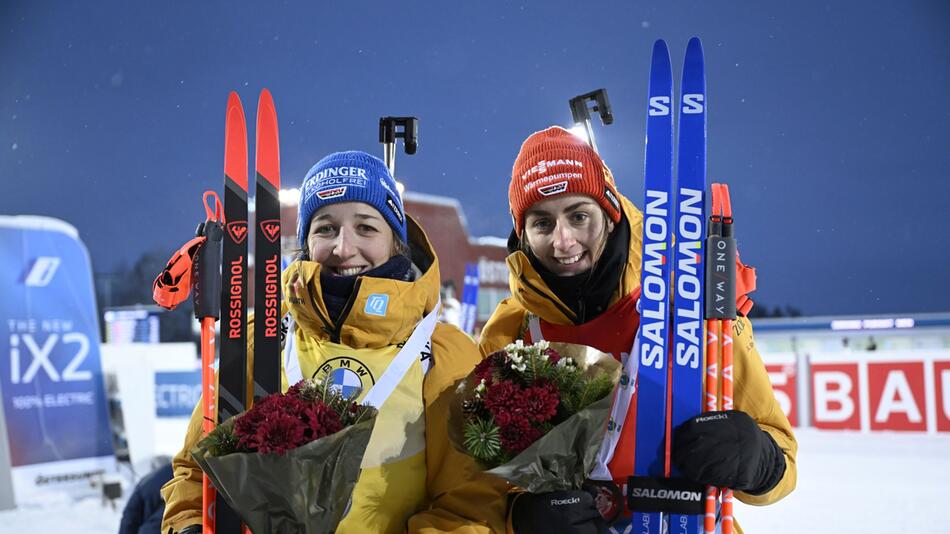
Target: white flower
[
  {"x": 543, "y": 345},
  {"x": 518, "y": 345},
  {"x": 480, "y": 388}
]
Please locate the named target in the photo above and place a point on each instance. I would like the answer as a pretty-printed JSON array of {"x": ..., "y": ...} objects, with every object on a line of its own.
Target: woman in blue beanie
[{"x": 363, "y": 296}]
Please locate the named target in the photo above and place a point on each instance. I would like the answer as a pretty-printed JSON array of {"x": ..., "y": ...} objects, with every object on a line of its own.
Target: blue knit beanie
[{"x": 351, "y": 176}]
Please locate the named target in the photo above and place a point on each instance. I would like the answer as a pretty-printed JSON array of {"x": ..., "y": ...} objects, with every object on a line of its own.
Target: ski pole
[
  {"x": 720, "y": 313},
  {"x": 727, "y": 520},
  {"x": 712, "y": 354},
  {"x": 196, "y": 268}
]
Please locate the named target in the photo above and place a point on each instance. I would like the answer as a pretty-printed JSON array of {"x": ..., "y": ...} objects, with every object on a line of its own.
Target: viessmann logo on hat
[{"x": 541, "y": 168}]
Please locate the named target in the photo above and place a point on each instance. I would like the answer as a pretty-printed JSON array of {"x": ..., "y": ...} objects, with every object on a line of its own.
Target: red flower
[
  {"x": 503, "y": 396},
  {"x": 517, "y": 435},
  {"x": 322, "y": 420},
  {"x": 540, "y": 401},
  {"x": 280, "y": 433}
]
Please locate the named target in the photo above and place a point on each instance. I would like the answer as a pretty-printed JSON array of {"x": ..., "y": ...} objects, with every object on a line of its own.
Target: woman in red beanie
[{"x": 574, "y": 273}]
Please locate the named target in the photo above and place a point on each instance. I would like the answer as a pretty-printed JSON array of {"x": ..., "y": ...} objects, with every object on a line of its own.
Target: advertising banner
[{"x": 54, "y": 400}]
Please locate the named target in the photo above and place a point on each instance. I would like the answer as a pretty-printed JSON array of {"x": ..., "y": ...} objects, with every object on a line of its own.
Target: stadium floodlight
[{"x": 289, "y": 196}]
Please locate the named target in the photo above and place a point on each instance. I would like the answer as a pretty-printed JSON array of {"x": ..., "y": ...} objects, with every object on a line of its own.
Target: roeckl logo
[
  {"x": 331, "y": 193},
  {"x": 553, "y": 189},
  {"x": 562, "y": 502},
  {"x": 271, "y": 229},
  {"x": 542, "y": 167},
  {"x": 42, "y": 271},
  {"x": 713, "y": 417},
  {"x": 238, "y": 231}
]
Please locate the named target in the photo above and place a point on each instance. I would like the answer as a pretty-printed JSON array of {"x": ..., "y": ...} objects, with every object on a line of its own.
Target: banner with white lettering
[
  {"x": 177, "y": 392},
  {"x": 54, "y": 399},
  {"x": 897, "y": 390}
]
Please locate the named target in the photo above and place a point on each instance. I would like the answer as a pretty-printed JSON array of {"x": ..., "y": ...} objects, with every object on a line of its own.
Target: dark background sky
[{"x": 829, "y": 120}]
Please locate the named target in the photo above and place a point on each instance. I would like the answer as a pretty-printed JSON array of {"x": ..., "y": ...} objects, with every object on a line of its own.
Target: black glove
[
  {"x": 190, "y": 529},
  {"x": 557, "y": 512},
  {"x": 728, "y": 450}
]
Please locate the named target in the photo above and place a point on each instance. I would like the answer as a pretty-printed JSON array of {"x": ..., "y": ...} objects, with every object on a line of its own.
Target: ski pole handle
[{"x": 207, "y": 272}]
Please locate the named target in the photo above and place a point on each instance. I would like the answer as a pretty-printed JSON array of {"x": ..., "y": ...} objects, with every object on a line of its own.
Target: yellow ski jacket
[
  {"x": 753, "y": 391},
  {"x": 456, "y": 496}
]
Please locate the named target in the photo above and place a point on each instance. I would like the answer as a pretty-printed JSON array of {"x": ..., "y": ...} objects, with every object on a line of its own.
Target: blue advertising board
[
  {"x": 54, "y": 398},
  {"x": 177, "y": 392}
]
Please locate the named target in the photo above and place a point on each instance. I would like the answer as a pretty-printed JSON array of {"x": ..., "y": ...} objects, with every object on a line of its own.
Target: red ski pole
[
  {"x": 197, "y": 266},
  {"x": 720, "y": 313},
  {"x": 712, "y": 356}
]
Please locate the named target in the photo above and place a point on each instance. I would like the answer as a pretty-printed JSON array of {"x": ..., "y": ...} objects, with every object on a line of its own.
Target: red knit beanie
[{"x": 554, "y": 162}]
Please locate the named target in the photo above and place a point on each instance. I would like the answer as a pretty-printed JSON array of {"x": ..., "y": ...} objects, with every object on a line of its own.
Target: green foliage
[
  {"x": 222, "y": 440},
  {"x": 482, "y": 440},
  {"x": 313, "y": 390}
]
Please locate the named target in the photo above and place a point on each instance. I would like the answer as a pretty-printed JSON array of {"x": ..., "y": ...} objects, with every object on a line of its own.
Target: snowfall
[{"x": 848, "y": 483}]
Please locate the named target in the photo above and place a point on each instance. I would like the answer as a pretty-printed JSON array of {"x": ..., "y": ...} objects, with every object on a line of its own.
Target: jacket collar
[{"x": 381, "y": 311}]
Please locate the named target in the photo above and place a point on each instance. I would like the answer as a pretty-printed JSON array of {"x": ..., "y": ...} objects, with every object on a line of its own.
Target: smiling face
[
  {"x": 349, "y": 238},
  {"x": 566, "y": 233}
]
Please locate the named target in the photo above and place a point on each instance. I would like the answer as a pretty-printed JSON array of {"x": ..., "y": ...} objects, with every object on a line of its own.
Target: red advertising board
[
  {"x": 784, "y": 378},
  {"x": 835, "y": 400},
  {"x": 942, "y": 392},
  {"x": 896, "y": 396}
]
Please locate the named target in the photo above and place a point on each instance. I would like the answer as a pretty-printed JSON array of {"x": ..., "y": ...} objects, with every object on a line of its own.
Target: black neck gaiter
[{"x": 338, "y": 289}]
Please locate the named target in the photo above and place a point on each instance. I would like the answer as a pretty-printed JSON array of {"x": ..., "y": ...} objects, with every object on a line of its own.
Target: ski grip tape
[
  {"x": 672, "y": 495},
  {"x": 720, "y": 277},
  {"x": 207, "y": 272}
]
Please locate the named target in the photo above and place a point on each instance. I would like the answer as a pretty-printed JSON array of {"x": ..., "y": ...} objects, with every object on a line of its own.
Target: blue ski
[
  {"x": 687, "y": 359},
  {"x": 650, "y": 450}
]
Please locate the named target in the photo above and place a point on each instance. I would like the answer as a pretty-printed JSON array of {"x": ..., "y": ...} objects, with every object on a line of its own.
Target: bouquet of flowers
[
  {"x": 535, "y": 415},
  {"x": 289, "y": 464}
]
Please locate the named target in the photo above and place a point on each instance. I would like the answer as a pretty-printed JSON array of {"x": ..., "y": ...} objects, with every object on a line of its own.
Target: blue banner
[
  {"x": 50, "y": 374},
  {"x": 470, "y": 298},
  {"x": 177, "y": 393}
]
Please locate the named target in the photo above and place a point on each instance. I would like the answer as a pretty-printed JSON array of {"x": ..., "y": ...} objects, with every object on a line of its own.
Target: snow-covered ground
[
  {"x": 848, "y": 483},
  {"x": 851, "y": 483}
]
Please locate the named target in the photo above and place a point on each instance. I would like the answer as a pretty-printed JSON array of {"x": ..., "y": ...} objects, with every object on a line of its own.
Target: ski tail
[
  {"x": 267, "y": 256},
  {"x": 686, "y": 361},
  {"x": 649, "y": 454}
]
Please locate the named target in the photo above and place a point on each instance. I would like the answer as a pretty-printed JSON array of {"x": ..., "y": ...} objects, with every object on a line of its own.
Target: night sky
[{"x": 829, "y": 120}]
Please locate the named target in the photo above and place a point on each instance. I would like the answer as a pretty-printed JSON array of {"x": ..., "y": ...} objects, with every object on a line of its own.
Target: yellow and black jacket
[
  {"x": 753, "y": 391},
  {"x": 419, "y": 482}
]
